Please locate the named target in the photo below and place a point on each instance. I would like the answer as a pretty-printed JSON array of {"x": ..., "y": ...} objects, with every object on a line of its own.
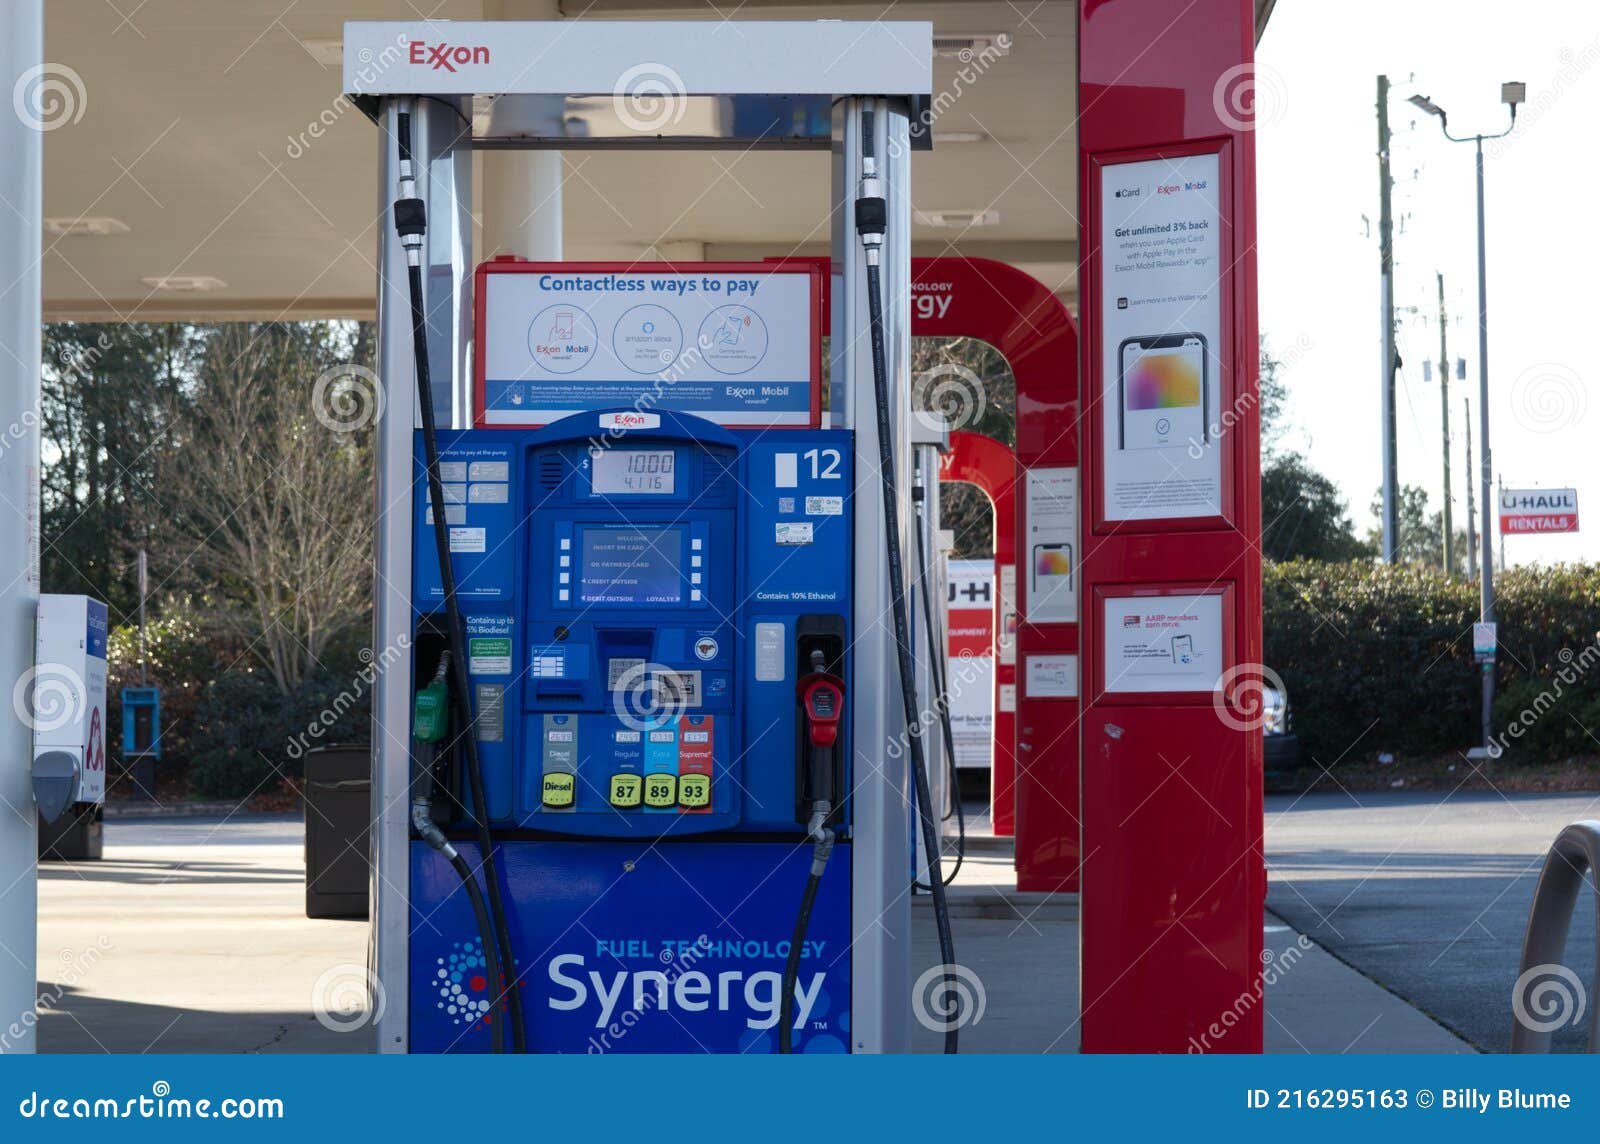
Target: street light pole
[
  {"x": 1444, "y": 428},
  {"x": 1485, "y": 464},
  {"x": 1511, "y": 94}
]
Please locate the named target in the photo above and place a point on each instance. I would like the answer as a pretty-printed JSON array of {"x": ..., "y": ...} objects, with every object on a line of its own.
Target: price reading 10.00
[{"x": 632, "y": 471}]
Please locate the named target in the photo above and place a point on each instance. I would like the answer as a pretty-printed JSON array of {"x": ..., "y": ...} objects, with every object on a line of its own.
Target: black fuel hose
[
  {"x": 491, "y": 956},
  {"x": 822, "y": 799},
  {"x": 425, "y": 759},
  {"x": 410, "y": 220},
  {"x": 791, "y": 965}
]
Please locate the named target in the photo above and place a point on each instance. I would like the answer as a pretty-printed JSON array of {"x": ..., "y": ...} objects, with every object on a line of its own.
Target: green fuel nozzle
[{"x": 430, "y": 711}]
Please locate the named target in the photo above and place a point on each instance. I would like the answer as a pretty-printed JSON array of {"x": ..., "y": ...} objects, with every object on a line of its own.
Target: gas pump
[
  {"x": 931, "y": 440},
  {"x": 652, "y": 802}
]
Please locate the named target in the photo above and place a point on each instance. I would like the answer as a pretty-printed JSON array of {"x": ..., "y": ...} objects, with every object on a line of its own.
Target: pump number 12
[{"x": 824, "y": 464}]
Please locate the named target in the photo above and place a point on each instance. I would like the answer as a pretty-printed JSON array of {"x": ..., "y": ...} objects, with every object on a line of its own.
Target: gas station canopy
[{"x": 201, "y": 162}]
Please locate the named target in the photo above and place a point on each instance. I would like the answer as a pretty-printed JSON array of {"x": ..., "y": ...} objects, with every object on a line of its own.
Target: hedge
[
  {"x": 1379, "y": 658},
  {"x": 226, "y": 727},
  {"x": 1375, "y": 658}
]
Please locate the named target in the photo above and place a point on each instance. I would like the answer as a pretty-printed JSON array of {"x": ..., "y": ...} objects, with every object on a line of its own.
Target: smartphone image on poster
[
  {"x": 1052, "y": 568},
  {"x": 1183, "y": 650},
  {"x": 1162, "y": 387}
]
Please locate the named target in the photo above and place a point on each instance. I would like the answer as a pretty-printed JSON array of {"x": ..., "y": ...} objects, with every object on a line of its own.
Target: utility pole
[
  {"x": 1444, "y": 428},
  {"x": 1391, "y": 481},
  {"x": 1472, "y": 534},
  {"x": 1499, "y": 488},
  {"x": 144, "y": 590}
]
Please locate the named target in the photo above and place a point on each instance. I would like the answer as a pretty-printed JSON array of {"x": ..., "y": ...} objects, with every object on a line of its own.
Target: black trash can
[
  {"x": 77, "y": 835},
  {"x": 338, "y": 806}
]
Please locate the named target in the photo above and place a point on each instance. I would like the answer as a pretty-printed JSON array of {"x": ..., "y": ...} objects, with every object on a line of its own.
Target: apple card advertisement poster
[{"x": 1160, "y": 263}]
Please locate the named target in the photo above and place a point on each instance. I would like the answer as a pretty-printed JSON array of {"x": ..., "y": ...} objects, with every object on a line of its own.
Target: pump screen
[
  {"x": 630, "y": 567},
  {"x": 624, "y": 471}
]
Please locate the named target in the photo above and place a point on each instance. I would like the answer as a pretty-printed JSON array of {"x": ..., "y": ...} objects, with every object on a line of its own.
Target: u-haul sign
[
  {"x": 970, "y": 666},
  {"x": 1538, "y": 510}
]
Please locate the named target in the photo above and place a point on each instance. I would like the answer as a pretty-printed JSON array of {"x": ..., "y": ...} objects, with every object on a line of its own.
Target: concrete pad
[
  {"x": 1318, "y": 1004},
  {"x": 1022, "y": 951},
  {"x": 190, "y": 935}
]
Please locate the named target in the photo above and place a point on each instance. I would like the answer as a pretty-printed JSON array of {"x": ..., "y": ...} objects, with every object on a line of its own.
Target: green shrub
[
  {"x": 181, "y": 657},
  {"x": 249, "y": 736},
  {"x": 1379, "y": 658},
  {"x": 224, "y": 721}
]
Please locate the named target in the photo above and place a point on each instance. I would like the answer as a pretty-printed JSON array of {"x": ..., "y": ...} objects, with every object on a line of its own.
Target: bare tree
[
  {"x": 265, "y": 498},
  {"x": 971, "y": 384}
]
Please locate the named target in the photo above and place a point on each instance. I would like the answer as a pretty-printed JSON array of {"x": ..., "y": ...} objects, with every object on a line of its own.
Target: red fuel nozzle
[{"x": 823, "y": 699}]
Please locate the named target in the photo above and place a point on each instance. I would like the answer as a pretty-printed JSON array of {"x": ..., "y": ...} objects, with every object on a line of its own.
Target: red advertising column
[
  {"x": 989, "y": 464},
  {"x": 1173, "y": 877},
  {"x": 1023, "y": 319},
  {"x": 1035, "y": 736}
]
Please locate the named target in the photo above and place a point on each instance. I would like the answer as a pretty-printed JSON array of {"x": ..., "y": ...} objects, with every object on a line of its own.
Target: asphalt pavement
[
  {"x": 191, "y": 936},
  {"x": 1427, "y": 893}
]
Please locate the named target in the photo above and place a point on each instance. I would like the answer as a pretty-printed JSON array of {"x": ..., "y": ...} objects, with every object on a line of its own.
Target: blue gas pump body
[{"x": 638, "y": 591}]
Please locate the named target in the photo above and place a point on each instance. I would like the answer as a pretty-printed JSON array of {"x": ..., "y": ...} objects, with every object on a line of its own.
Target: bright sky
[{"x": 1318, "y": 260}]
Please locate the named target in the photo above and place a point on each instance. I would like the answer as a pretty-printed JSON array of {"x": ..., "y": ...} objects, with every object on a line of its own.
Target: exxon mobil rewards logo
[{"x": 447, "y": 57}]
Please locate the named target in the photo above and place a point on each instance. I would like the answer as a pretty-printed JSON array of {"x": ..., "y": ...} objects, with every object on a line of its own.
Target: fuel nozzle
[
  {"x": 430, "y": 723},
  {"x": 822, "y": 703},
  {"x": 430, "y": 713}
]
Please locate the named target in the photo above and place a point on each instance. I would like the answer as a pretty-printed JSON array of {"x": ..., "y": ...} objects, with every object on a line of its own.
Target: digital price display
[
  {"x": 632, "y": 471},
  {"x": 630, "y": 567}
]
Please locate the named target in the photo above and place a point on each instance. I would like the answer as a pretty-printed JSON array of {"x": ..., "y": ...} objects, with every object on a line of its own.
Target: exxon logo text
[
  {"x": 632, "y": 420},
  {"x": 447, "y": 56}
]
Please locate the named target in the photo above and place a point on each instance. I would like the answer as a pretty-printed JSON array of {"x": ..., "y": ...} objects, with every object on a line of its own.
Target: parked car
[{"x": 1283, "y": 745}]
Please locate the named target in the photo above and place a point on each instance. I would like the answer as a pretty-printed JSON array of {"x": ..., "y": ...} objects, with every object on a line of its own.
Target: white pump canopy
[
  {"x": 709, "y": 57},
  {"x": 577, "y": 84}
]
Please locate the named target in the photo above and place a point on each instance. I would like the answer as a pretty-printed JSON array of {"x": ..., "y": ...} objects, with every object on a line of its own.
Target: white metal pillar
[
  {"x": 443, "y": 174},
  {"x": 21, "y": 314},
  {"x": 522, "y": 203},
  {"x": 522, "y": 189},
  {"x": 881, "y": 800}
]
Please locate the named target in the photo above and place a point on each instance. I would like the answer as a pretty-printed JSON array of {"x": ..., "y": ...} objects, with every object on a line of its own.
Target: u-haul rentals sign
[{"x": 1538, "y": 510}]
